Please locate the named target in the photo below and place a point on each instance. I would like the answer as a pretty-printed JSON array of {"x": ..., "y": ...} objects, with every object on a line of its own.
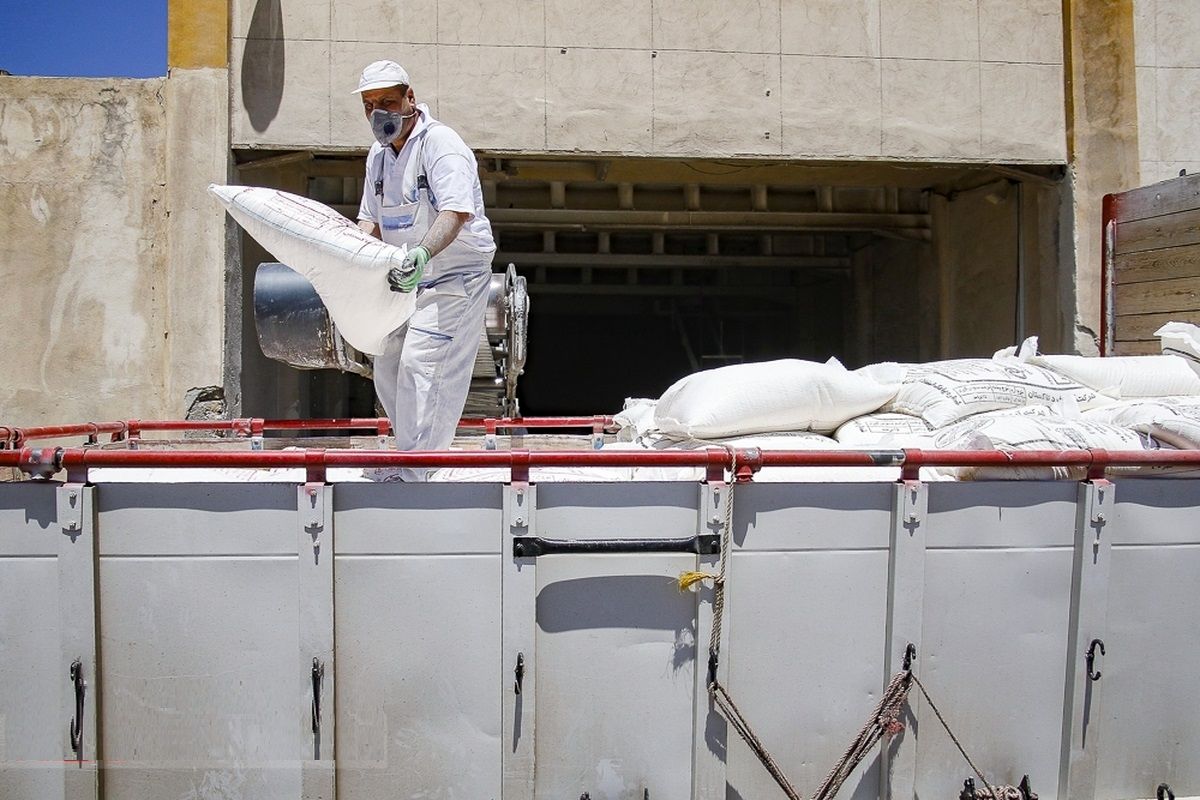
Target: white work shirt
[{"x": 452, "y": 172}]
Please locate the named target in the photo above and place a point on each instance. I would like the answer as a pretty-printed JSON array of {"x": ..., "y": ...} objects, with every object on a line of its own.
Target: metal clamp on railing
[{"x": 534, "y": 546}]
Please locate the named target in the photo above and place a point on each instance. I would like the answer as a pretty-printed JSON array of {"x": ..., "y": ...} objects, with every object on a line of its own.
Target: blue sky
[{"x": 100, "y": 38}]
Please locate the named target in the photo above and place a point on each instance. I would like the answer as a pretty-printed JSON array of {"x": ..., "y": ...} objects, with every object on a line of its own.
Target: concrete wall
[
  {"x": 82, "y": 250},
  {"x": 203, "y": 377},
  {"x": 939, "y": 80},
  {"x": 204, "y": 373},
  {"x": 1102, "y": 143},
  {"x": 1168, "y": 86}
]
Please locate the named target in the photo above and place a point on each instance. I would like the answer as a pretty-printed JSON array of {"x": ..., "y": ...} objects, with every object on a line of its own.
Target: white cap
[{"x": 380, "y": 75}]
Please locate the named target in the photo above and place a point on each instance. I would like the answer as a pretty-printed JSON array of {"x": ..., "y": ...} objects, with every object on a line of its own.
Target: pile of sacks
[{"x": 1016, "y": 400}]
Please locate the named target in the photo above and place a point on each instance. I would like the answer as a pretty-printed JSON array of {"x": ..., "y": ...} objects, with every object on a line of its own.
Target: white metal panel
[
  {"x": 417, "y": 614},
  {"x": 76, "y": 537},
  {"x": 426, "y": 518},
  {"x": 808, "y": 586},
  {"x": 906, "y": 609},
  {"x": 35, "y": 684},
  {"x": 198, "y": 519},
  {"x": 1149, "y": 732},
  {"x": 1082, "y": 697},
  {"x": 616, "y": 510},
  {"x": 200, "y": 630},
  {"x": 616, "y": 645},
  {"x": 314, "y": 656},
  {"x": 616, "y": 650},
  {"x": 710, "y": 733},
  {"x": 518, "y": 609},
  {"x": 997, "y": 604},
  {"x": 774, "y": 516}
]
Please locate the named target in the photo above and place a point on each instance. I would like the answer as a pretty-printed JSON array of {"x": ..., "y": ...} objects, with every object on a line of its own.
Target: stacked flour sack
[
  {"x": 1015, "y": 400},
  {"x": 787, "y": 404}
]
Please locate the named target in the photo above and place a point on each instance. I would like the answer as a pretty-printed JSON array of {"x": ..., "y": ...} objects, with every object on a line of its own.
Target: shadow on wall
[{"x": 263, "y": 64}]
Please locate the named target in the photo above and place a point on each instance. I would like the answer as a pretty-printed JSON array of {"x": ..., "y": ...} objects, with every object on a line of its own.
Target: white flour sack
[
  {"x": 943, "y": 392},
  {"x": 347, "y": 267},
  {"x": 1181, "y": 339},
  {"x": 885, "y": 430},
  {"x": 1127, "y": 376},
  {"x": 1174, "y": 421},
  {"x": 635, "y": 420},
  {"x": 784, "y": 395},
  {"x": 1012, "y": 432}
]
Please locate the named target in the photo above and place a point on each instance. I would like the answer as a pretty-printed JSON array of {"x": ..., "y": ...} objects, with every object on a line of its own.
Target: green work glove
[{"x": 405, "y": 277}]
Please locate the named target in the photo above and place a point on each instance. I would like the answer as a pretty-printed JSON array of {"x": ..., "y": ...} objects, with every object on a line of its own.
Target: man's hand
[{"x": 405, "y": 277}]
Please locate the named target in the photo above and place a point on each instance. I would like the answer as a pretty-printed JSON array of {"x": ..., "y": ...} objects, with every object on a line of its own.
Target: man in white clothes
[{"x": 422, "y": 190}]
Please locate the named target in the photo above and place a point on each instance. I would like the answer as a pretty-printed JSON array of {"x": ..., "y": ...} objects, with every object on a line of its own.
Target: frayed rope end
[{"x": 689, "y": 579}]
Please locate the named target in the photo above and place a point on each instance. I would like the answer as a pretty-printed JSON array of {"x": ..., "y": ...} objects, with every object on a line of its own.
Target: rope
[
  {"x": 689, "y": 579},
  {"x": 884, "y": 719},
  {"x": 714, "y": 640},
  {"x": 732, "y": 713},
  {"x": 995, "y": 790},
  {"x": 720, "y": 696}
]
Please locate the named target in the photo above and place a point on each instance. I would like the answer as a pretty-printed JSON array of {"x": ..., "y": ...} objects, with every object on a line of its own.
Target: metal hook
[
  {"x": 80, "y": 687},
  {"x": 1091, "y": 658},
  {"x": 910, "y": 655},
  {"x": 318, "y": 676},
  {"x": 1164, "y": 792}
]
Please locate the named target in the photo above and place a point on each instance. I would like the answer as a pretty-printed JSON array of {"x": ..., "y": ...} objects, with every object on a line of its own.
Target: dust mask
[{"x": 387, "y": 125}]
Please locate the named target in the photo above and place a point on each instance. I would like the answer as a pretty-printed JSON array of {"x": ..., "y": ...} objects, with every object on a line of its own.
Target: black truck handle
[{"x": 534, "y": 546}]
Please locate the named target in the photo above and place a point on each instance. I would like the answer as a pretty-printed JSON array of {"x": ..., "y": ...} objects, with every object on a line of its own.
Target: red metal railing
[
  {"x": 714, "y": 460},
  {"x": 14, "y": 438}
]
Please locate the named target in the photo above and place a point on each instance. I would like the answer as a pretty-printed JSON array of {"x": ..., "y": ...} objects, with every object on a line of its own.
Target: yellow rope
[{"x": 689, "y": 579}]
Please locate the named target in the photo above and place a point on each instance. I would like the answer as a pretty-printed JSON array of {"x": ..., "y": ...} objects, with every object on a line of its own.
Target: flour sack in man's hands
[{"x": 346, "y": 266}]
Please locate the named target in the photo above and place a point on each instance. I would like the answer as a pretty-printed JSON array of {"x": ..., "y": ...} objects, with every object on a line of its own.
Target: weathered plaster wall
[
  {"x": 1102, "y": 141},
  {"x": 1167, "y": 36},
  {"x": 944, "y": 80},
  {"x": 82, "y": 249},
  {"x": 202, "y": 374}
]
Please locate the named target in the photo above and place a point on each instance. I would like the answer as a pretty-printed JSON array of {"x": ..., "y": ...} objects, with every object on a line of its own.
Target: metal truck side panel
[{"x": 200, "y": 626}]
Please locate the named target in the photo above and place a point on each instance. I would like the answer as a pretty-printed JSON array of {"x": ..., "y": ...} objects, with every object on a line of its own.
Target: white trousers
[{"x": 423, "y": 376}]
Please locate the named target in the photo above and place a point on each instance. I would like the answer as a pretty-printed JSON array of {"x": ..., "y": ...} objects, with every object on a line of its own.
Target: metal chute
[{"x": 294, "y": 327}]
